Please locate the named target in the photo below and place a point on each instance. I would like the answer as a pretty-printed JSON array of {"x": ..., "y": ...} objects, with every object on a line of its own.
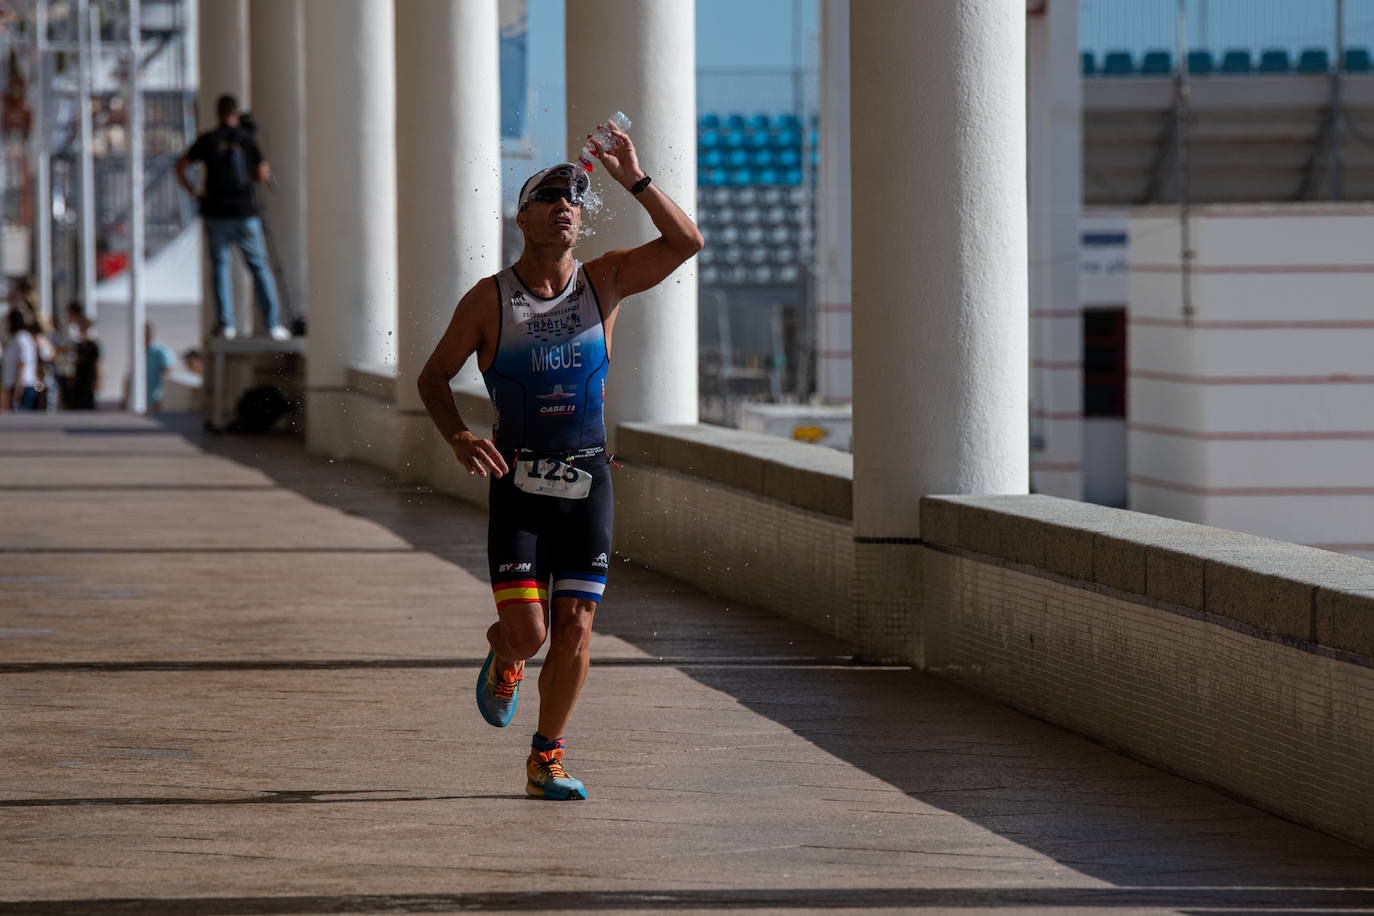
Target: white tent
[
  {"x": 170, "y": 277},
  {"x": 172, "y": 294}
]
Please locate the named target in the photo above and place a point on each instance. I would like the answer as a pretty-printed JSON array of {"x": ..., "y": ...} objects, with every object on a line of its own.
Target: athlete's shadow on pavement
[{"x": 1047, "y": 789}]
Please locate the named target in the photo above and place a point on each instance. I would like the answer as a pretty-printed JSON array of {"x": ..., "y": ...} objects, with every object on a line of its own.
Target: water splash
[{"x": 592, "y": 202}]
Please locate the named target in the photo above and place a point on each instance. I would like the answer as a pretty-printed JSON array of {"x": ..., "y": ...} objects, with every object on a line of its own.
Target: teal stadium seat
[
  {"x": 1089, "y": 63},
  {"x": 1156, "y": 63},
  {"x": 787, "y": 121},
  {"x": 1274, "y": 60},
  {"x": 1357, "y": 60},
  {"x": 1236, "y": 60},
  {"x": 734, "y": 121},
  {"x": 1200, "y": 62},
  {"x": 709, "y": 139},
  {"x": 785, "y": 137},
  {"x": 709, "y": 121},
  {"x": 1118, "y": 63},
  {"x": 760, "y": 122},
  {"x": 1314, "y": 60}
]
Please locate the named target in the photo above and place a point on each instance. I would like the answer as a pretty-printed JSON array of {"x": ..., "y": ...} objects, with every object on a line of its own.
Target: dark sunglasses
[{"x": 549, "y": 195}]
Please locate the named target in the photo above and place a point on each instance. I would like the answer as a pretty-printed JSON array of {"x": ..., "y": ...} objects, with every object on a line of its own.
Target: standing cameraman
[{"x": 232, "y": 163}]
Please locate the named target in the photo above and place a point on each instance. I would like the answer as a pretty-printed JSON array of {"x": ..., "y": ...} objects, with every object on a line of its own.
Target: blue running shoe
[
  {"x": 497, "y": 692},
  {"x": 548, "y": 779}
]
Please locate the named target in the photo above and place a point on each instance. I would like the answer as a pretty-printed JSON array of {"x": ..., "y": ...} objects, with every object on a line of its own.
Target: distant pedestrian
[
  {"x": 158, "y": 359},
  {"x": 233, "y": 163},
  {"x": 44, "y": 338},
  {"x": 19, "y": 365},
  {"x": 85, "y": 360}
]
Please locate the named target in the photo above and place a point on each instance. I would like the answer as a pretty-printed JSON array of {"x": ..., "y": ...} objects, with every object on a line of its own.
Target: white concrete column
[
  {"x": 278, "y": 59},
  {"x": 222, "y": 50},
  {"x": 937, "y": 94},
  {"x": 448, "y": 150},
  {"x": 350, "y": 90},
  {"x": 833, "y": 364},
  {"x": 640, "y": 58},
  {"x": 1054, "y": 111}
]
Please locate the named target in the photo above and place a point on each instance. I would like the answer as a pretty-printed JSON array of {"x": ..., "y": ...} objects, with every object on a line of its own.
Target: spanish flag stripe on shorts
[{"x": 518, "y": 590}]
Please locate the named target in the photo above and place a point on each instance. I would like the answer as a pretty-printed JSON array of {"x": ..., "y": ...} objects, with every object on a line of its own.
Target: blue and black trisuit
[{"x": 548, "y": 385}]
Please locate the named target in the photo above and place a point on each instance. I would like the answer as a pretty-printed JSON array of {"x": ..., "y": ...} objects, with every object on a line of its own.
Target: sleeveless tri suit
[{"x": 548, "y": 387}]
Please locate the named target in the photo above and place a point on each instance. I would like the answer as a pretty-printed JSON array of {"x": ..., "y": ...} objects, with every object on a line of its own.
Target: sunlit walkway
[{"x": 237, "y": 679}]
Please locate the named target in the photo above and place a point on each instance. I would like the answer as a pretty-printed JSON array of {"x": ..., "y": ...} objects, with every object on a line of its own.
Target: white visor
[{"x": 576, "y": 176}]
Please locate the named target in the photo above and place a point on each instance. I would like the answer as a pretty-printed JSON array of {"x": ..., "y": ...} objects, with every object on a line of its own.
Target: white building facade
[{"x": 1256, "y": 412}]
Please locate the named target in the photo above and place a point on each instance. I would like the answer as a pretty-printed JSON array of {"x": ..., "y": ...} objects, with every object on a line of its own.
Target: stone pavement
[{"x": 237, "y": 679}]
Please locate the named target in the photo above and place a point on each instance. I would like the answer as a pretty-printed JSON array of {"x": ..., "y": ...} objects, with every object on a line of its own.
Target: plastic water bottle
[{"x": 602, "y": 136}]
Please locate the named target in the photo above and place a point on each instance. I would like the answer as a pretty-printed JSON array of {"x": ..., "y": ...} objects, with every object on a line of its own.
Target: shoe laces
[
  {"x": 504, "y": 683},
  {"x": 553, "y": 762}
]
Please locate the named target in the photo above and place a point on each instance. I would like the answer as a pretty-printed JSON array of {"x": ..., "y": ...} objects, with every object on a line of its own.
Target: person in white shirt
[{"x": 19, "y": 366}]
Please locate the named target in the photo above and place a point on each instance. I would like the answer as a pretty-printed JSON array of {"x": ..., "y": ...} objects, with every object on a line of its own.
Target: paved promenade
[{"x": 238, "y": 679}]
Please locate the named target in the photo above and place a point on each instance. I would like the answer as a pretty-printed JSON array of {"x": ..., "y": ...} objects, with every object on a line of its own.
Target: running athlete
[{"x": 541, "y": 330}]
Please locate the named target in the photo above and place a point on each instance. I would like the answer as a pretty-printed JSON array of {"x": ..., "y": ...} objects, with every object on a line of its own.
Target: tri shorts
[{"x": 532, "y": 538}]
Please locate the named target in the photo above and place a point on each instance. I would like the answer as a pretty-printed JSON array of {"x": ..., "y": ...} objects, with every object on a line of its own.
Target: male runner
[{"x": 541, "y": 330}]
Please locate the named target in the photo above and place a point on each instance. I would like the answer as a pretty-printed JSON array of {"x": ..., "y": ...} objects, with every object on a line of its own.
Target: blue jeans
[
  {"x": 247, "y": 234},
  {"x": 25, "y": 399}
]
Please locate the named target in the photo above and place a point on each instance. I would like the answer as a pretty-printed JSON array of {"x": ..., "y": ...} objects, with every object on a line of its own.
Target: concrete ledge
[
  {"x": 804, "y": 476},
  {"x": 1289, "y": 591},
  {"x": 741, "y": 515}
]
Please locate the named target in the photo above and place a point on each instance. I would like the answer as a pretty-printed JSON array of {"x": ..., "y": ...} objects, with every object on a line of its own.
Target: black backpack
[
  {"x": 227, "y": 168},
  {"x": 259, "y": 409}
]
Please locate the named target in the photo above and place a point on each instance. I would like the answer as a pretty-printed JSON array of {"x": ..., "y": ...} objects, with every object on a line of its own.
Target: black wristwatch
[{"x": 640, "y": 185}]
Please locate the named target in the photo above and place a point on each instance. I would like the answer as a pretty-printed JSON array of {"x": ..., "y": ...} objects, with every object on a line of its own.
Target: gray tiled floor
[{"x": 236, "y": 679}]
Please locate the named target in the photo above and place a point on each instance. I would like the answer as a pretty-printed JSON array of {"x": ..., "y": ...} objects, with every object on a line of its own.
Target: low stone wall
[
  {"x": 742, "y": 516},
  {"x": 1243, "y": 663},
  {"x": 1234, "y": 660}
]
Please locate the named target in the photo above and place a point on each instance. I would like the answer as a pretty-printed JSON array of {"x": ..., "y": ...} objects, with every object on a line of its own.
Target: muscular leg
[
  {"x": 518, "y": 633},
  {"x": 565, "y": 665}
]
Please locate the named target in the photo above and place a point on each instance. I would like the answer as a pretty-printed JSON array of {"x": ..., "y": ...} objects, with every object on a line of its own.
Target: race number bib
[{"x": 551, "y": 477}]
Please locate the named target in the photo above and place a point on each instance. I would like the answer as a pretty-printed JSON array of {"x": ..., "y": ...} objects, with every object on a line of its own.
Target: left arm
[{"x": 633, "y": 270}]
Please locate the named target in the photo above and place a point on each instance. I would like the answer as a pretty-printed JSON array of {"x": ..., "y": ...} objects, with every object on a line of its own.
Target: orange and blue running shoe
[
  {"x": 548, "y": 779},
  {"x": 498, "y": 691}
]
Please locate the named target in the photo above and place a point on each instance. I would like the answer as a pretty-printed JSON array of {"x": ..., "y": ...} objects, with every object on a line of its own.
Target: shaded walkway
[{"x": 235, "y": 678}]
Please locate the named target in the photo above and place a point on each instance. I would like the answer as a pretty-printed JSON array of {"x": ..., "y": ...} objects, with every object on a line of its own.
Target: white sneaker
[
  {"x": 279, "y": 332},
  {"x": 228, "y": 333}
]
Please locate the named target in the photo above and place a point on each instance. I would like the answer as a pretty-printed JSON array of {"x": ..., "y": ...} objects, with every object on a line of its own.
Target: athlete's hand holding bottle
[{"x": 618, "y": 157}]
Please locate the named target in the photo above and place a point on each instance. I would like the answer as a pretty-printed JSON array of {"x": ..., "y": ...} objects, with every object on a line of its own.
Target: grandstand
[
  {"x": 756, "y": 209},
  {"x": 1262, "y": 126},
  {"x": 755, "y": 198}
]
